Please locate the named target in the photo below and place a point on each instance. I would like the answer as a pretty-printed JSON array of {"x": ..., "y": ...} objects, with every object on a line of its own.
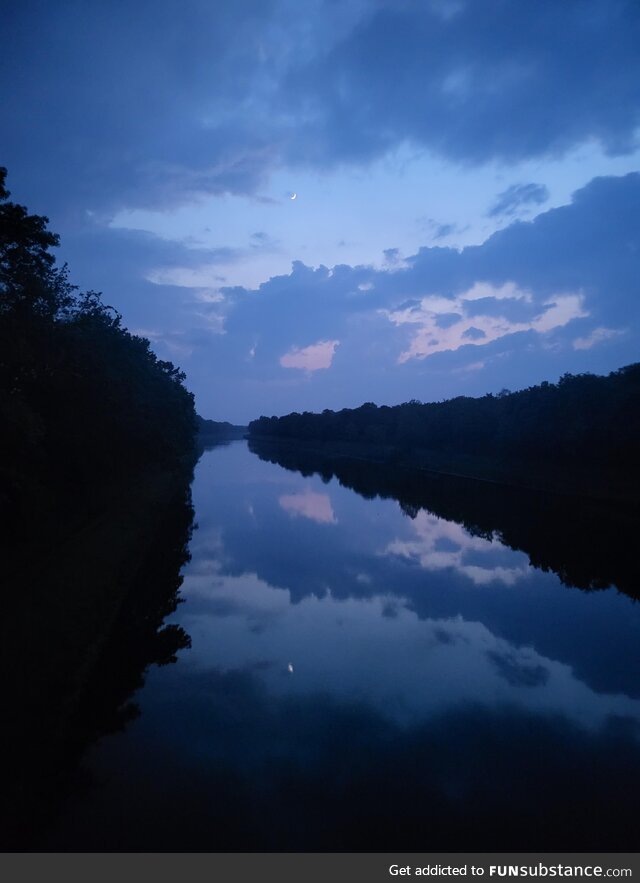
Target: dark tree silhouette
[
  {"x": 97, "y": 446},
  {"x": 84, "y": 404},
  {"x": 580, "y": 435}
]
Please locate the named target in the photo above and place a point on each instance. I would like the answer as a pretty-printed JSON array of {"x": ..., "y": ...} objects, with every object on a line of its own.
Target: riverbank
[{"x": 550, "y": 477}]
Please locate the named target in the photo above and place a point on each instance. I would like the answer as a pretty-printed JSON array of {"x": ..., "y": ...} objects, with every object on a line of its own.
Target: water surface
[{"x": 366, "y": 675}]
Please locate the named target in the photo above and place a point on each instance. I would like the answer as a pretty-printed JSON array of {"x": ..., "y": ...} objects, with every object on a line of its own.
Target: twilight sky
[{"x": 315, "y": 203}]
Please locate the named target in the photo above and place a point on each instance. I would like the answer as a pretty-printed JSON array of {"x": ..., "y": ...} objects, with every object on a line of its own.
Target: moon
[{"x": 293, "y": 196}]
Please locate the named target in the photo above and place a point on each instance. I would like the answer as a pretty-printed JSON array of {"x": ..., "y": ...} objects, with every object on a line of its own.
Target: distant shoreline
[
  {"x": 212, "y": 432},
  {"x": 578, "y": 436}
]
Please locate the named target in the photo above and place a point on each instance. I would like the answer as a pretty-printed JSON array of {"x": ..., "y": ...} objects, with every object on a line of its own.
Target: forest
[
  {"x": 84, "y": 404},
  {"x": 581, "y": 434}
]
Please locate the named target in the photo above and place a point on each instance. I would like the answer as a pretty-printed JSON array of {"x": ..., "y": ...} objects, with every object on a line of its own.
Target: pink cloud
[
  {"x": 478, "y": 330},
  {"x": 311, "y": 505},
  {"x": 310, "y": 358}
]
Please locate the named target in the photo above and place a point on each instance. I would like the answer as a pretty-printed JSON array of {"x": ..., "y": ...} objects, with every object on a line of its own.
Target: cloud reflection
[
  {"x": 440, "y": 545},
  {"x": 405, "y": 668},
  {"x": 309, "y": 504}
]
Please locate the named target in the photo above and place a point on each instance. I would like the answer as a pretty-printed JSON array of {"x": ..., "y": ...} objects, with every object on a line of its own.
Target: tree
[
  {"x": 83, "y": 402},
  {"x": 29, "y": 279}
]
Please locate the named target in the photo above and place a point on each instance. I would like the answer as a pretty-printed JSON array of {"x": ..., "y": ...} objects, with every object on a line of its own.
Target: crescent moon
[{"x": 293, "y": 196}]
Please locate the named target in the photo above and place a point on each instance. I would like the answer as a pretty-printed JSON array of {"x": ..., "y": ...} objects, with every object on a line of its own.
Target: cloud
[
  {"x": 539, "y": 290},
  {"x": 122, "y": 264},
  {"x": 532, "y": 289},
  {"x": 174, "y": 342},
  {"x": 446, "y": 320},
  {"x": 473, "y": 333},
  {"x": 315, "y": 357},
  {"x": 438, "y": 229},
  {"x": 392, "y": 255},
  {"x": 443, "y": 545},
  {"x": 178, "y": 99},
  {"x": 598, "y": 335},
  {"x": 496, "y": 80},
  {"x": 480, "y": 329},
  {"x": 516, "y": 196},
  {"x": 147, "y": 108},
  {"x": 519, "y": 671},
  {"x": 443, "y": 230},
  {"x": 472, "y": 366},
  {"x": 309, "y": 504},
  {"x": 591, "y": 245}
]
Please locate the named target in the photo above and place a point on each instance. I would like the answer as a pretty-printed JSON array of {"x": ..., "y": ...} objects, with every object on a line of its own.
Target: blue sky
[{"x": 315, "y": 204}]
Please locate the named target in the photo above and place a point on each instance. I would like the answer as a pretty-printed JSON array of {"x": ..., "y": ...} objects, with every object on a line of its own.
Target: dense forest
[
  {"x": 580, "y": 434},
  {"x": 84, "y": 404}
]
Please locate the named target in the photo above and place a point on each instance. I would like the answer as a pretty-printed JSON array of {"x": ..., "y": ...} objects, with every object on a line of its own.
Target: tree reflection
[
  {"x": 80, "y": 629},
  {"x": 588, "y": 544}
]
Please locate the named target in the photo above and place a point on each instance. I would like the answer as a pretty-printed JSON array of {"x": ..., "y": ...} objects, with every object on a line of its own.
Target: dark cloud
[
  {"x": 593, "y": 245},
  {"x": 112, "y": 104},
  {"x": 115, "y": 260},
  {"x": 511, "y": 199},
  {"x": 496, "y": 80},
  {"x": 109, "y": 105}
]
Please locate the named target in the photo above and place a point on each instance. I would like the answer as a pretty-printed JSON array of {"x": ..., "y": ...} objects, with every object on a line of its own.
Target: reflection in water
[
  {"x": 311, "y": 505},
  {"x": 589, "y": 545},
  {"x": 377, "y": 650},
  {"x": 372, "y": 676},
  {"x": 440, "y": 545},
  {"x": 79, "y": 633}
]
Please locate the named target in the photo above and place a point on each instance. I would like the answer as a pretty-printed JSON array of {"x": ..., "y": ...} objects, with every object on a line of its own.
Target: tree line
[
  {"x": 583, "y": 424},
  {"x": 84, "y": 403}
]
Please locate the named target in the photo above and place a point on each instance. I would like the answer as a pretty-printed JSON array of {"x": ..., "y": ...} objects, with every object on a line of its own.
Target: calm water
[{"x": 366, "y": 675}]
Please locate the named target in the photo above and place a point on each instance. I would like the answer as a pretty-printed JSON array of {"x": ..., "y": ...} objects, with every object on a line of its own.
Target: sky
[{"x": 311, "y": 205}]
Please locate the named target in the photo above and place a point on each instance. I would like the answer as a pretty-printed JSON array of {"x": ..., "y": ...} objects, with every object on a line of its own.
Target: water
[{"x": 366, "y": 675}]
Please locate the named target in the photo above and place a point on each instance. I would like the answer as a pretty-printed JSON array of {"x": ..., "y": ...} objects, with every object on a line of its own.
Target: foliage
[{"x": 83, "y": 403}]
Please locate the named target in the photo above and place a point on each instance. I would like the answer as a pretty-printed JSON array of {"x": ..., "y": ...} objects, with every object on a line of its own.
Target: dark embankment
[
  {"x": 97, "y": 448},
  {"x": 580, "y": 435},
  {"x": 589, "y": 544}
]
